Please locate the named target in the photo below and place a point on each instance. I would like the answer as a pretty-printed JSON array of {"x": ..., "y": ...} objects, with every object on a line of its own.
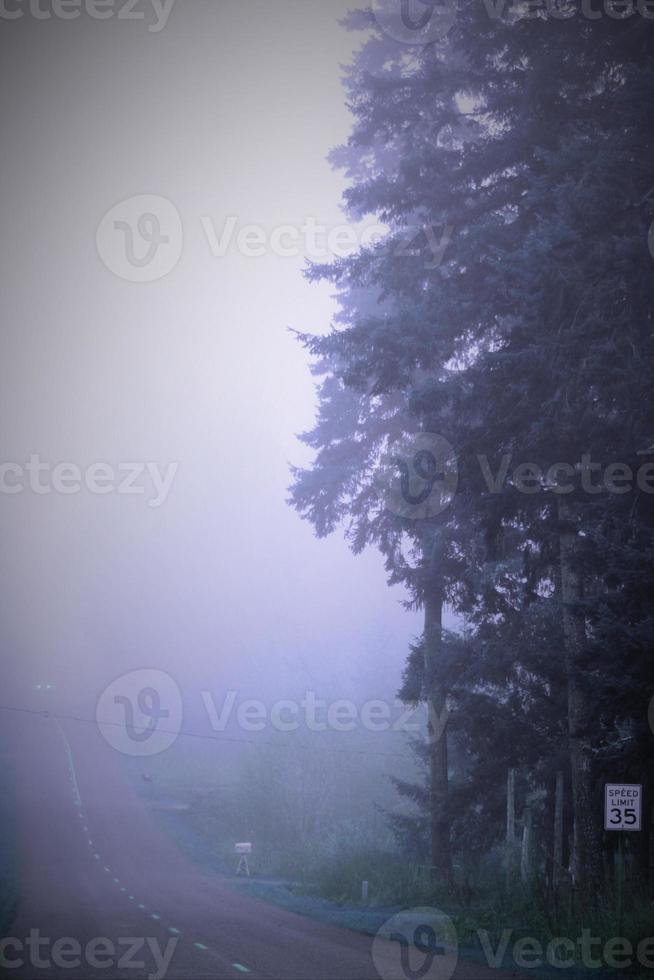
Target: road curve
[{"x": 95, "y": 868}]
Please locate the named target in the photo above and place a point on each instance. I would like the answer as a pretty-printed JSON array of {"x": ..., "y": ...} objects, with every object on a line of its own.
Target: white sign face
[{"x": 622, "y": 806}]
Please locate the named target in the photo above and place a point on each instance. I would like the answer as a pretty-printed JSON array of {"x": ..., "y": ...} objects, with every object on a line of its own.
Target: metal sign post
[{"x": 623, "y": 805}]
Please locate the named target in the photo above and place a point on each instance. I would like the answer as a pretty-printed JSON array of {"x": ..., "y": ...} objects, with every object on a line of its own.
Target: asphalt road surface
[{"x": 95, "y": 869}]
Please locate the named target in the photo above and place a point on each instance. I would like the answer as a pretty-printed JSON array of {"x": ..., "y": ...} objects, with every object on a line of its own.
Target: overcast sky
[{"x": 229, "y": 110}]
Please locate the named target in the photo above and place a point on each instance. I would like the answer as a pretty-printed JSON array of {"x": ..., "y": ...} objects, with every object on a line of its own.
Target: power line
[{"x": 42, "y": 712}]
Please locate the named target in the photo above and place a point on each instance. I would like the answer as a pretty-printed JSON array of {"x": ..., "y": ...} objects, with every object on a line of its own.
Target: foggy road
[
  {"x": 328, "y": 443},
  {"x": 94, "y": 867}
]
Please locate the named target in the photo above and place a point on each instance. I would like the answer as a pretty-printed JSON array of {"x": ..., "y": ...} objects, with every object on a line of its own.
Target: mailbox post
[{"x": 243, "y": 849}]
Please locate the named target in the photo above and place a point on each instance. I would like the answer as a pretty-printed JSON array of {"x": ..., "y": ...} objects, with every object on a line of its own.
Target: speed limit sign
[{"x": 622, "y": 806}]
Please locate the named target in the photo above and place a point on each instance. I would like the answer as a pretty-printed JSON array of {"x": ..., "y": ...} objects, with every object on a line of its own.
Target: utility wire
[{"x": 213, "y": 737}]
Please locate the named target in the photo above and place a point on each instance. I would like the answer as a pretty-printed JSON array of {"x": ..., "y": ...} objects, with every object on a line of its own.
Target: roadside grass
[
  {"x": 9, "y": 883},
  {"x": 322, "y": 878},
  {"x": 391, "y": 881},
  {"x": 485, "y": 913}
]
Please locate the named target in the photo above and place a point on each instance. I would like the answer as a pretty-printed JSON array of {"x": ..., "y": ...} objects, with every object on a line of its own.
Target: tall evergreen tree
[{"x": 528, "y": 136}]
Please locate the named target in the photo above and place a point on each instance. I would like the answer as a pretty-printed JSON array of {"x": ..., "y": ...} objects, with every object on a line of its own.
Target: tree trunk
[
  {"x": 527, "y": 849},
  {"x": 587, "y": 840},
  {"x": 435, "y": 696},
  {"x": 557, "y": 869},
  {"x": 510, "y": 829}
]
